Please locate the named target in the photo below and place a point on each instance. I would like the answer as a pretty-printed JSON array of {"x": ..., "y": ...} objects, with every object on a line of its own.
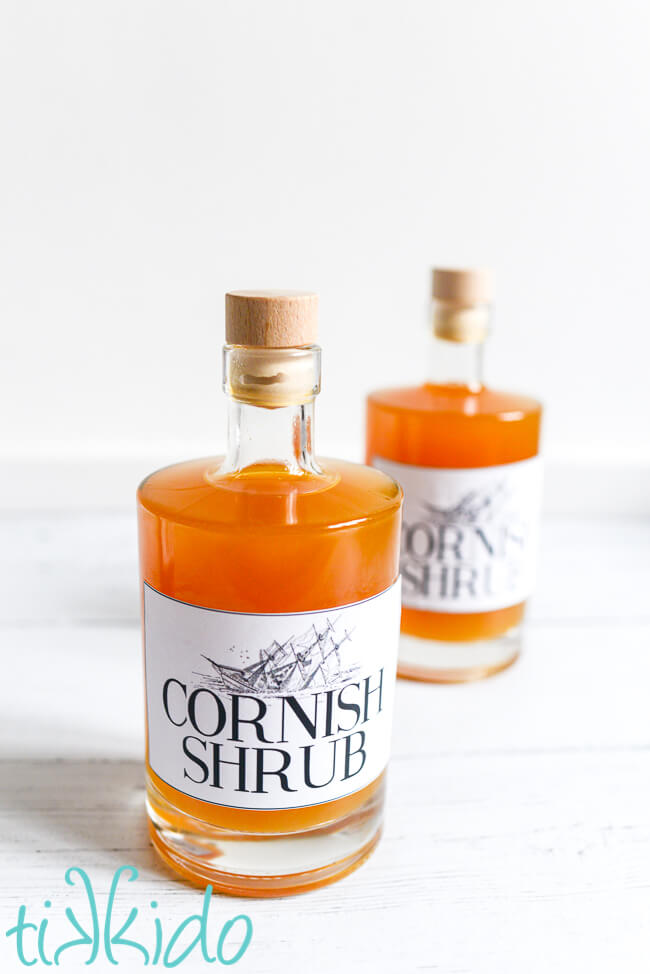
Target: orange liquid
[
  {"x": 453, "y": 426},
  {"x": 266, "y": 541}
]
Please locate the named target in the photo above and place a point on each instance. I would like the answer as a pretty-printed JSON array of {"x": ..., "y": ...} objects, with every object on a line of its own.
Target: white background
[{"x": 157, "y": 154}]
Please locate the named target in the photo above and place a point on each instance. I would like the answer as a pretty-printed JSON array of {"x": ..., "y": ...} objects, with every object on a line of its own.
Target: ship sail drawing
[
  {"x": 305, "y": 663},
  {"x": 475, "y": 507}
]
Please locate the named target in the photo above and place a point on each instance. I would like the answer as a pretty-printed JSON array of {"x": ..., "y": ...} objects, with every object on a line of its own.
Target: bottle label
[
  {"x": 469, "y": 537},
  {"x": 270, "y": 711}
]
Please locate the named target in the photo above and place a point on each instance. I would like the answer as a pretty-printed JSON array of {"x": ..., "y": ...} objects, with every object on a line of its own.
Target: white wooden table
[{"x": 518, "y": 828}]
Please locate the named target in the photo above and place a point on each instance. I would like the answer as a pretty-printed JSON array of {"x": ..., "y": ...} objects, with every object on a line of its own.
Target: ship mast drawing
[
  {"x": 308, "y": 662},
  {"x": 473, "y": 508}
]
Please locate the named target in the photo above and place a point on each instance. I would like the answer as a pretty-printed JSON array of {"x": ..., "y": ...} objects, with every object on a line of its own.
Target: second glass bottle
[{"x": 466, "y": 457}]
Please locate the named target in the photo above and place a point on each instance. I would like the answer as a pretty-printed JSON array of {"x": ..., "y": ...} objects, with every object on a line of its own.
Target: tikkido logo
[{"x": 103, "y": 938}]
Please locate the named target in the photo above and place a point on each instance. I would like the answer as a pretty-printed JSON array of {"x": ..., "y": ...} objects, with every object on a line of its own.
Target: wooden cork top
[
  {"x": 462, "y": 304},
  {"x": 271, "y": 319},
  {"x": 462, "y": 287}
]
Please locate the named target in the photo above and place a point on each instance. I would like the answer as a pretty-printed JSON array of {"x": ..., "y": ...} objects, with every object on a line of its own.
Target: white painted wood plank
[
  {"x": 594, "y": 570},
  {"x": 72, "y": 691},
  {"x": 519, "y": 863},
  {"x": 517, "y": 835},
  {"x": 77, "y": 691},
  {"x": 69, "y": 567}
]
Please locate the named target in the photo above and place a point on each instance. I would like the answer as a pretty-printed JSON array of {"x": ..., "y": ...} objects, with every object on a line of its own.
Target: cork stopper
[
  {"x": 462, "y": 287},
  {"x": 462, "y": 298},
  {"x": 271, "y": 319}
]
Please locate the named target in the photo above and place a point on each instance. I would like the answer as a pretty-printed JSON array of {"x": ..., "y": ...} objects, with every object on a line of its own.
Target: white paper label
[
  {"x": 469, "y": 537},
  {"x": 270, "y": 711}
]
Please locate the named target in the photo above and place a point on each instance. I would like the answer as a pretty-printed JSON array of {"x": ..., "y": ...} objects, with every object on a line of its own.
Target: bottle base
[
  {"x": 434, "y": 661},
  {"x": 262, "y": 865}
]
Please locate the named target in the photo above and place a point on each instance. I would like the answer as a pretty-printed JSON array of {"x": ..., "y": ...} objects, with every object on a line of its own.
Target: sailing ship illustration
[
  {"x": 473, "y": 508},
  {"x": 308, "y": 662}
]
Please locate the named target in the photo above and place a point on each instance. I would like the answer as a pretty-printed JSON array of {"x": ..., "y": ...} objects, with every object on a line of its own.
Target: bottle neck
[
  {"x": 457, "y": 364},
  {"x": 460, "y": 331},
  {"x": 281, "y": 437},
  {"x": 271, "y": 394}
]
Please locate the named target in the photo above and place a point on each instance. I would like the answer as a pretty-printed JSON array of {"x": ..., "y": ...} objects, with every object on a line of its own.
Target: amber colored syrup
[
  {"x": 266, "y": 541},
  {"x": 453, "y": 426}
]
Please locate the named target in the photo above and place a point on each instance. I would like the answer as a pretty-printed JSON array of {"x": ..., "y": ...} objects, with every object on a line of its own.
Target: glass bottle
[
  {"x": 271, "y": 622},
  {"x": 466, "y": 456}
]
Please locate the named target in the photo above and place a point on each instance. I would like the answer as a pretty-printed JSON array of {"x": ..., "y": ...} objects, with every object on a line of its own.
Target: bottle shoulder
[
  {"x": 455, "y": 399},
  {"x": 267, "y": 497}
]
